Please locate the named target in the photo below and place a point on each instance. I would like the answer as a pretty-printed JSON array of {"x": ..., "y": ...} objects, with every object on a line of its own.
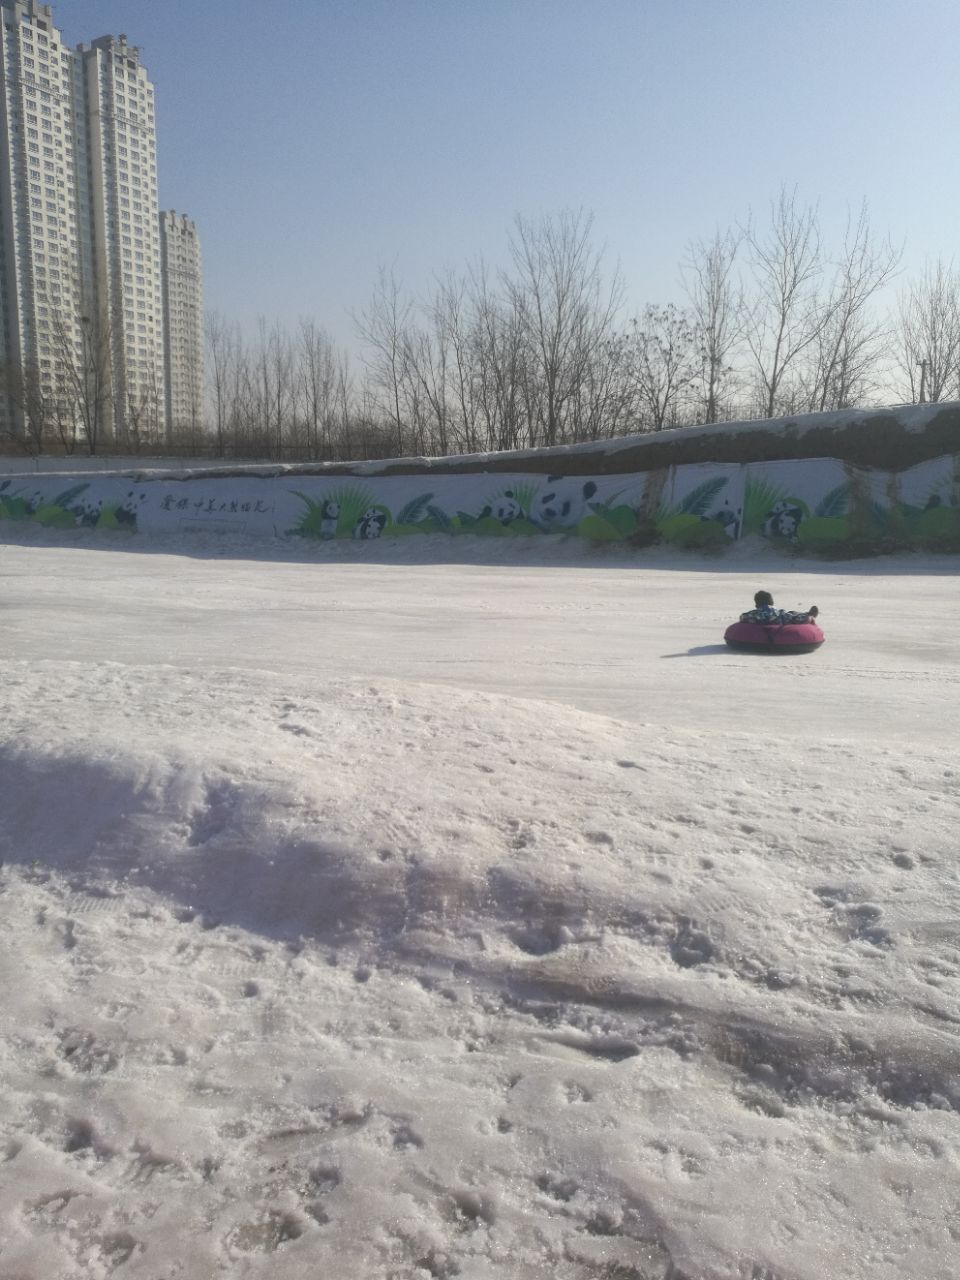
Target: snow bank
[
  {"x": 394, "y": 910},
  {"x": 379, "y": 979}
]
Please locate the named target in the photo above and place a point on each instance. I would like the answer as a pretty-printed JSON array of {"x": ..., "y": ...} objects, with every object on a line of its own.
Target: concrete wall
[{"x": 695, "y": 488}]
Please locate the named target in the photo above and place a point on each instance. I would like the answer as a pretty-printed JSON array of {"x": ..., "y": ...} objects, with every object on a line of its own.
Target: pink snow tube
[{"x": 755, "y": 637}]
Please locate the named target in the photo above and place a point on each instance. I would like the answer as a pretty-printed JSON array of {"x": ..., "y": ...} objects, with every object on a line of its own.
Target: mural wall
[{"x": 812, "y": 503}]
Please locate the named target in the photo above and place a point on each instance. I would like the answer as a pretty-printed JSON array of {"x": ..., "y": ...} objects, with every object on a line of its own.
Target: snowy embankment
[{"x": 376, "y": 976}]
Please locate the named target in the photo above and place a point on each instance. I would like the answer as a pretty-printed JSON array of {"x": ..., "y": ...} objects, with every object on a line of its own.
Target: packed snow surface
[{"x": 383, "y": 918}]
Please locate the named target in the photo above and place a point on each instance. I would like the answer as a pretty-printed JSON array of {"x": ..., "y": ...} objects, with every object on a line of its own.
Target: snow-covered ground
[{"x": 410, "y": 911}]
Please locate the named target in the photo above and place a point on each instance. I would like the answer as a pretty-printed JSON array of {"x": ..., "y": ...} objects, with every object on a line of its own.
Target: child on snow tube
[
  {"x": 769, "y": 629},
  {"x": 765, "y": 613}
]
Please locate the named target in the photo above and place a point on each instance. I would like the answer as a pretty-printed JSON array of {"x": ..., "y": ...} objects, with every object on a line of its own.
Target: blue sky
[{"x": 314, "y": 140}]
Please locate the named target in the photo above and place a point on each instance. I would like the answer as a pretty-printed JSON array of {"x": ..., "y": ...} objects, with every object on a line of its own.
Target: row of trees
[
  {"x": 542, "y": 353},
  {"x": 773, "y": 321},
  {"x": 81, "y": 396}
]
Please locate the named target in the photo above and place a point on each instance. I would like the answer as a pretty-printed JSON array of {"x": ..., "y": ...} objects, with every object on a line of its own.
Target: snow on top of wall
[{"x": 912, "y": 419}]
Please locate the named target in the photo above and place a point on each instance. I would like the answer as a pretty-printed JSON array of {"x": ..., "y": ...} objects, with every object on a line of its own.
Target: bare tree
[
  {"x": 247, "y": 414},
  {"x": 608, "y": 402},
  {"x": 716, "y": 305},
  {"x": 928, "y": 333},
  {"x": 427, "y": 360},
  {"x": 221, "y": 353},
  {"x": 341, "y": 429},
  {"x": 665, "y": 355},
  {"x": 23, "y": 387},
  {"x": 275, "y": 382},
  {"x": 318, "y": 373},
  {"x": 83, "y": 372},
  {"x": 144, "y": 417},
  {"x": 566, "y": 308},
  {"x": 785, "y": 315},
  {"x": 455, "y": 314},
  {"x": 844, "y": 364},
  {"x": 500, "y": 365},
  {"x": 382, "y": 327}
]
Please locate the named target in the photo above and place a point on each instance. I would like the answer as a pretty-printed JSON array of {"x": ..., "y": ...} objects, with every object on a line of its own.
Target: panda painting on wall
[
  {"x": 561, "y": 504},
  {"x": 128, "y": 510},
  {"x": 87, "y": 512},
  {"x": 329, "y": 518},
  {"x": 504, "y": 508},
  {"x": 783, "y": 521},
  {"x": 729, "y": 518},
  {"x": 370, "y": 524}
]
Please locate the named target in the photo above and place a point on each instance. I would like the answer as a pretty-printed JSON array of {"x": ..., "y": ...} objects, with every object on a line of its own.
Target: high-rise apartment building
[
  {"x": 182, "y": 320},
  {"x": 40, "y": 272},
  {"x": 117, "y": 159},
  {"x": 81, "y": 276}
]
